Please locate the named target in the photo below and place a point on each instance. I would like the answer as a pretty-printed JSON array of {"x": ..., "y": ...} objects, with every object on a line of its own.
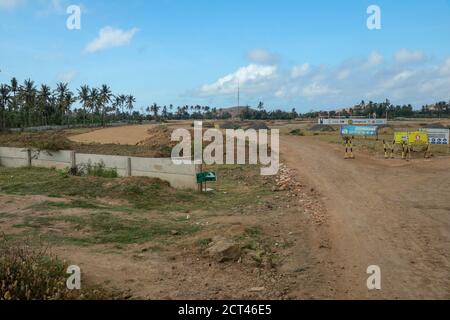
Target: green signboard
[{"x": 206, "y": 177}]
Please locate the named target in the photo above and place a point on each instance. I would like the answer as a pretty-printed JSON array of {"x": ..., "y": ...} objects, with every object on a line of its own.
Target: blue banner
[{"x": 359, "y": 130}]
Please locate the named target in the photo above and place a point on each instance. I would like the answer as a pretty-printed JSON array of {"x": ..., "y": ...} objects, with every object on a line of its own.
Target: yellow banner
[
  {"x": 416, "y": 137},
  {"x": 401, "y": 137}
]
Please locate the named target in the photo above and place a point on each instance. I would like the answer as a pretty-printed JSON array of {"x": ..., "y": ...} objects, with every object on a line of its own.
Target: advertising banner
[
  {"x": 343, "y": 122},
  {"x": 416, "y": 137},
  {"x": 359, "y": 131},
  {"x": 401, "y": 137},
  {"x": 438, "y": 136}
]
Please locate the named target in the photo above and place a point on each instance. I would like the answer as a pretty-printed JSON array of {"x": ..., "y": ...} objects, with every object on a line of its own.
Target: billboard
[
  {"x": 415, "y": 137},
  {"x": 401, "y": 137},
  {"x": 359, "y": 130},
  {"x": 344, "y": 122},
  {"x": 438, "y": 136}
]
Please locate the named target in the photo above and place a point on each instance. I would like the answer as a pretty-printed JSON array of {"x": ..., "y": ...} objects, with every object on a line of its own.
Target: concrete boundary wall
[{"x": 179, "y": 176}]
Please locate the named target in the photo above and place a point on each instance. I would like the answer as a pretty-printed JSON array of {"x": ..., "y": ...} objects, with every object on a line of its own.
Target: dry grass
[{"x": 30, "y": 272}]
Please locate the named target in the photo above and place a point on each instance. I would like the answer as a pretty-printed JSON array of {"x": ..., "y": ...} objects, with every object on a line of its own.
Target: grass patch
[
  {"x": 243, "y": 184},
  {"x": 204, "y": 243},
  {"x": 6, "y": 215},
  {"x": 75, "y": 204},
  {"x": 105, "y": 227}
]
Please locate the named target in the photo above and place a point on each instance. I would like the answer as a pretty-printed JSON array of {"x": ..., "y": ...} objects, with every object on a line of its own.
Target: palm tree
[
  {"x": 68, "y": 101},
  {"x": 94, "y": 102},
  {"x": 62, "y": 89},
  {"x": 84, "y": 97},
  {"x": 155, "y": 109},
  {"x": 130, "y": 101},
  {"x": 105, "y": 97},
  {"x": 14, "y": 86},
  {"x": 5, "y": 98},
  {"x": 27, "y": 94},
  {"x": 44, "y": 99},
  {"x": 118, "y": 103}
]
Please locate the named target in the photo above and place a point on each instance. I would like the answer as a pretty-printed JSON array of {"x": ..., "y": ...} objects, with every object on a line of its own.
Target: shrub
[
  {"x": 97, "y": 170},
  {"x": 297, "y": 132},
  {"x": 29, "y": 273}
]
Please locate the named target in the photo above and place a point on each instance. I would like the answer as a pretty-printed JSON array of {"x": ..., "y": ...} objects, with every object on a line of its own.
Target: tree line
[
  {"x": 27, "y": 105},
  {"x": 260, "y": 113},
  {"x": 387, "y": 110}
]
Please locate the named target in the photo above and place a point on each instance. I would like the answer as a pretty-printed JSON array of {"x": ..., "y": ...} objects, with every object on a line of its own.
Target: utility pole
[{"x": 239, "y": 94}]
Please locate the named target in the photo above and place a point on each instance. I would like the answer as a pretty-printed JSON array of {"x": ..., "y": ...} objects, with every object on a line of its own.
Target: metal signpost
[{"x": 204, "y": 177}]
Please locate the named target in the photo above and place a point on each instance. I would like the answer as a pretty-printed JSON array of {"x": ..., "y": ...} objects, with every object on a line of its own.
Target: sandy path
[
  {"x": 118, "y": 135},
  {"x": 388, "y": 213}
]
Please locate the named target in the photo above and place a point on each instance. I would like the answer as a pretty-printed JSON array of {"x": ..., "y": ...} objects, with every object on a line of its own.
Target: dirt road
[{"x": 381, "y": 212}]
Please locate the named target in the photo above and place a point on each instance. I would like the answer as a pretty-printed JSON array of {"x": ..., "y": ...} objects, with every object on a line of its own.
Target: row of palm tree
[{"x": 28, "y": 105}]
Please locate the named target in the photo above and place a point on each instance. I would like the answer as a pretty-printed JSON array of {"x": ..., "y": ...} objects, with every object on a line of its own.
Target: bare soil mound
[
  {"x": 322, "y": 128},
  {"x": 256, "y": 125},
  {"x": 51, "y": 140},
  {"x": 158, "y": 138}
]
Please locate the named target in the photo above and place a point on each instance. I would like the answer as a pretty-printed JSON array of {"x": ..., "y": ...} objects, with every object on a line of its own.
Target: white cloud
[
  {"x": 250, "y": 78},
  {"x": 404, "y": 56},
  {"x": 445, "y": 68},
  {"x": 374, "y": 59},
  {"x": 10, "y": 4},
  {"x": 316, "y": 89},
  {"x": 68, "y": 76},
  {"x": 343, "y": 74},
  {"x": 300, "y": 70},
  {"x": 261, "y": 56},
  {"x": 355, "y": 79},
  {"x": 109, "y": 38},
  {"x": 398, "y": 80}
]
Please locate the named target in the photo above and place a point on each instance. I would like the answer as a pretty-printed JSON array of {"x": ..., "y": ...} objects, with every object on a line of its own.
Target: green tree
[
  {"x": 105, "y": 97},
  {"x": 5, "y": 99},
  {"x": 84, "y": 96}
]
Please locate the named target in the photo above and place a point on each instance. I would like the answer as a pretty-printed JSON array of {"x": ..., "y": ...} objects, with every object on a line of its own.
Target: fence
[{"x": 179, "y": 176}]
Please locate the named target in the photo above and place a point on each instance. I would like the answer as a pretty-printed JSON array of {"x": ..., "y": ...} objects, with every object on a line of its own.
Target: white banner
[
  {"x": 345, "y": 122},
  {"x": 438, "y": 136}
]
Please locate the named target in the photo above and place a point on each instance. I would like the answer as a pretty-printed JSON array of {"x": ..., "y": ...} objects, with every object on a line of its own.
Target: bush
[
  {"x": 97, "y": 170},
  {"x": 297, "y": 132},
  {"x": 29, "y": 273}
]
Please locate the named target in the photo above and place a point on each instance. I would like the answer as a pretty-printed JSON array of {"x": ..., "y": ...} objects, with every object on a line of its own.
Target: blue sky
[{"x": 288, "y": 53}]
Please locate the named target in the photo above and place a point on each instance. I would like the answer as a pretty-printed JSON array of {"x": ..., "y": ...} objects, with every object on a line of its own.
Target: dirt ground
[
  {"x": 116, "y": 135},
  {"x": 346, "y": 215},
  {"x": 180, "y": 269},
  {"x": 389, "y": 213}
]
